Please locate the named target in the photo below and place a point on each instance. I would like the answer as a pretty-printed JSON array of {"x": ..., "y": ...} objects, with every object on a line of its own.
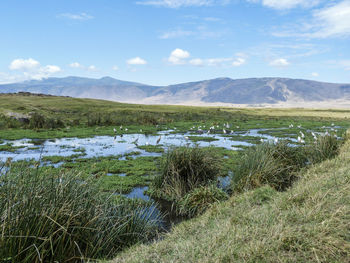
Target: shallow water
[{"x": 109, "y": 145}]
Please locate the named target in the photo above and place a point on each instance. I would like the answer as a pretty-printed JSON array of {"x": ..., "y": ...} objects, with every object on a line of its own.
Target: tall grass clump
[
  {"x": 183, "y": 169},
  {"x": 324, "y": 147},
  {"x": 200, "y": 199},
  {"x": 59, "y": 218},
  {"x": 268, "y": 164}
]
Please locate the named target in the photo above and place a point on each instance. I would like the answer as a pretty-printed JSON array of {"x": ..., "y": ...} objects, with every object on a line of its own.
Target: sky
[{"x": 162, "y": 42}]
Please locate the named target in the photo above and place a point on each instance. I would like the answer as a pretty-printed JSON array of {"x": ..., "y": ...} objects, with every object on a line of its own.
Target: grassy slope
[{"x": 308, "y": 223}]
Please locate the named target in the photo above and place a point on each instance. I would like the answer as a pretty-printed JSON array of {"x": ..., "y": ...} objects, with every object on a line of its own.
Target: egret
[
  {"x": 291, "y": 125},
  {"x": 115, "y": 131},
  {"x": 261, "y": 140},
  {"x": 302, "y": 134},
  {"x": 275, "y": 140},
  {"x": 224, "y": 131},
  {"x": 299, "y": 139},
  {"x": 332, "y": 124}
]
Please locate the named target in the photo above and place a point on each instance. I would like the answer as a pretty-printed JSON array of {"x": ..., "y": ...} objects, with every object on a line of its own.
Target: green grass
[
  {"x": 87, "y": 117},
  {"x": 9, "y": 147},
  {"x": 47, "y": 217},
  {"x": 152, "y": 148},
  {"x": 307, "y": 223},
  {"x": 183, "y": 169},
  {"x": 272, "y": 164}
]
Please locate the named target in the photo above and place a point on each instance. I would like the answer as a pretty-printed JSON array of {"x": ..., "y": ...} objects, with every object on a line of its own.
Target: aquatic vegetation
[
  {"x": 271, "y": 164},
  {"x": 324, "y": 147},
  {"x": 48, "y": 217},
  {"x": 8, "y": 147},
  {"x": 152, "y": 148},
  {"x": 200, "y": 199},
  {"x": 183, "y": 169}
]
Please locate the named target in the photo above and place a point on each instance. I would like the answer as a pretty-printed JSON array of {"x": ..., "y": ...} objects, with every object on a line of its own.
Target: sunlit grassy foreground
[{"x": 309, "y": 222}]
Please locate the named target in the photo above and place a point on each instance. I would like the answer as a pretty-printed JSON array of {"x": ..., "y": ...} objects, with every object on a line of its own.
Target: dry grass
[{"x": 308, "y": 223}]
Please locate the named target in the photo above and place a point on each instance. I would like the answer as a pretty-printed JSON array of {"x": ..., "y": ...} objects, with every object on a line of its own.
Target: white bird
[
  {"x": 291, "y": 126},
  {"x": 224, "y": 131},
  {"x": 237, "y": 127},
  {"x": 299, "y": 139},
  {"x": 332, "y": 124},
  {"x": 121, "y": 127},
  {"x": 114, "y": 130},
  {"x": 261, "y": 140},
  {"x": 186, "y": 138},
  {"x": 299, "y": 126},
  {"x": 276, "y": 140},
  {"x": 302, "y": 134},
  {"x": 126, "y": 129}
]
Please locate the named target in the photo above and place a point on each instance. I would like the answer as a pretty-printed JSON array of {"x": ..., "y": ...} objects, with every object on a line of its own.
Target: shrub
[
  {"x": 183, "y": 169},
  {"x": 201, "y": 198},
  {"x": 268, "y": 164},
  {"x": 47, "y": 218}
]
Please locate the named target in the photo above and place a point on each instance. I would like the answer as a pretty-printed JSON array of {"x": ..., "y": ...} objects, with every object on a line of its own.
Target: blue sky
[{"x": 163, "y": 42}]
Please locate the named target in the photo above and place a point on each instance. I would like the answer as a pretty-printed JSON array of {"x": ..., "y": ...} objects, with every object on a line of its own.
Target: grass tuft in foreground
[{"x": 46, "y": 218}]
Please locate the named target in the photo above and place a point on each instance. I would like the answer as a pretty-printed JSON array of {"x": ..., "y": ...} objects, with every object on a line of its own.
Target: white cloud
[
  {"x": 51, "y": 69},
  {"x": 115, "y": 68},
  {"x": 176, "y": 34},
  {"x": 76, "y": 65},
  {"x": 31, "y": 69},
  {"x": 80, "y": 16},
  {"x": 280, "y": 62},
  {"x": 136, "y": 61},
  {"x": 287, "y": 4},
  {"x": 332, "y": 21},
  {"x": 179, "y": 3},
  {"x": 178, "y": 56},
  {"x": 24, "y": 64},
  {"x": 196, "y": 62},
  {"x": 315, "y": 74},
  {"x": 238, "y": 62},
  {"x": 92, "y": 68}
]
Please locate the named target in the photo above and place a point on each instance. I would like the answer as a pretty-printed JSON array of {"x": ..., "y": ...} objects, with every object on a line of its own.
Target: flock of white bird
[{"x": 226, "y": 129}]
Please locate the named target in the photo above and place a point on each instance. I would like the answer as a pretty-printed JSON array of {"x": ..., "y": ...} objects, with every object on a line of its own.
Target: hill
[{"x": 221, "y": 91}]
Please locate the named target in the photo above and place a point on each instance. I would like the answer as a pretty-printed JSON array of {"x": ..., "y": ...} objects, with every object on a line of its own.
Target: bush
[
  {"x": 268, "y": 164},
  {"x": 200, "y": 199},
  {"x": 183, "y": 169},
  {"x": 47, "y": 218}
]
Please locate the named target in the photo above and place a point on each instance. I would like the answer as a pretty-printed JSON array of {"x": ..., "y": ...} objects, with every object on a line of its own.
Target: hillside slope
[
  {"x": 215, "y": 91},
  {"x": 308, "y": 223}
]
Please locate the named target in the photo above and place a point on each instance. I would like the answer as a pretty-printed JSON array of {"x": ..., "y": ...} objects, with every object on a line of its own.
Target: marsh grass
[
  {"x": 268, "y": 164},
  {"x": 200, "y": 199},
  {"x": 47, "y": 218},
  {"x": 183, "y": 169},
  {"x": 325, "y": 147}
]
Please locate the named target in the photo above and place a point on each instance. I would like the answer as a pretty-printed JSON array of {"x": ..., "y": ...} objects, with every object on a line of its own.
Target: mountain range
[{"x": 220, "y": 91}]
